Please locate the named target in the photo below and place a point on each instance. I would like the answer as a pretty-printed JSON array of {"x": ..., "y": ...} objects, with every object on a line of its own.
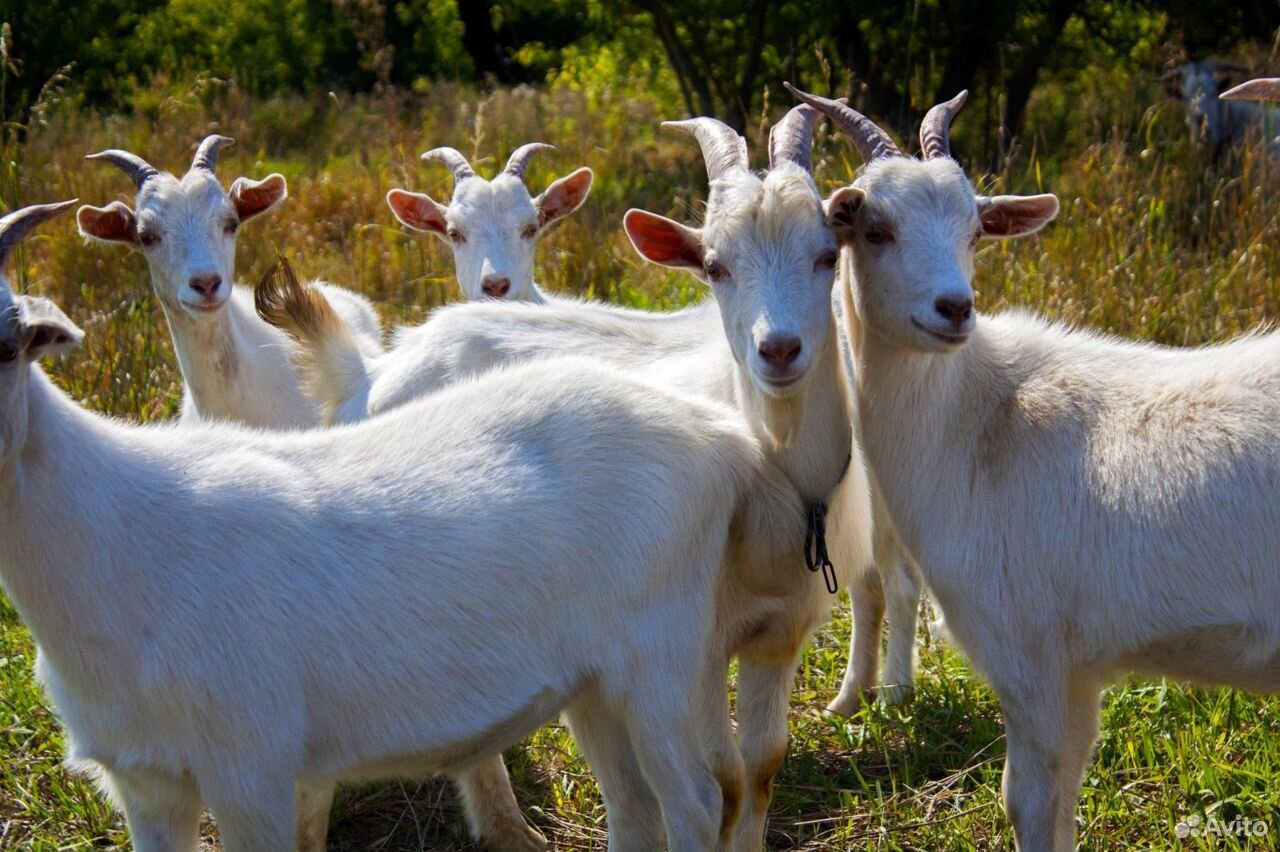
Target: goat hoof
[
  {"x": 525, "y": 838},
  {"x": 895, "y": 694},
  {"x": 844, "y": 705}
]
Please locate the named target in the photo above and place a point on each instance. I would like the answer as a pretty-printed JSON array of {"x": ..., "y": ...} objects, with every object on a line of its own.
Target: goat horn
[
  {"x": 723, "y": 150},
  {"x": 19, "y": 223},
  {"x": 935, "y": 130},
  {"x": 452, "y": 158},
  {"x": 207, "y": 154},
  {"x": 1261, "y": 89},
  {"x": 521, "y": 156},
  {"x": 872, "y": 142},
  {"x": 138, "y": 169},
  {"x": 791, "y": 139}
]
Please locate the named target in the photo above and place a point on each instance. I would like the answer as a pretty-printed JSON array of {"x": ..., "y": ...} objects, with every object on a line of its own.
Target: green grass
[{"x": 1149, "y": 245}]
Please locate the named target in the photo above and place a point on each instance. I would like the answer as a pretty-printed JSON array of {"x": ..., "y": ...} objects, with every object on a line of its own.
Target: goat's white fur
[
  {"x": 769, "y": 233},
  {"x": 492, "y": 227},
  {"x": 338, "y": 603},
  {"x": 234, "y": 366},
  {"x": 1080, "y": 506},
  {"x": 238, "y": 368}
]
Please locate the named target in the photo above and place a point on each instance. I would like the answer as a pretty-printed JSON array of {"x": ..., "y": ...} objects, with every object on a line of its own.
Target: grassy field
[{"x": 1150, "y": 244}]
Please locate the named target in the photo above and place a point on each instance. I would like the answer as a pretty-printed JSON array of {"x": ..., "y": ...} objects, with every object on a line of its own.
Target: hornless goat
[
  {"x": 1080, "y": 506},
  {"x": 766, "y": 345},
  {"x": 492, "y": 227},
  {"x": 234, "y": 366},
  {"x": 343, "y": 607}
]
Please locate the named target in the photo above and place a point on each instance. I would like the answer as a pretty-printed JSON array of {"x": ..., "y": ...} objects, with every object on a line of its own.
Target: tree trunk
[
  {"x": 480, "y": 40},
  {"x": 691, "y": 79},
  {"x": 1023, "y": 77},
  {"x": 755, "y": 45}
]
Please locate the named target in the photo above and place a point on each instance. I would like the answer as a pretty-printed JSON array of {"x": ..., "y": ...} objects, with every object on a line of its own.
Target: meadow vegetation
[{"x": 1151, "y": 244}]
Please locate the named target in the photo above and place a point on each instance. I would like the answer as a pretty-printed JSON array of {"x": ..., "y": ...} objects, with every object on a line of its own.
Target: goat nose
[
  {"x": 495, "y": 288},
  {"x": 956, "y": 311},
  {"x": 779, "y": 351},
  {"x": 205, "y": 285}
]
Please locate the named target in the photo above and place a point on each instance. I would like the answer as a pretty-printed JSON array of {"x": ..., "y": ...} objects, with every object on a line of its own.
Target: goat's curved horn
[
  {"x": 19, "y": 223},
  {"x": 723, "y": 150},
  {"x": 935, "y": 130},
  {"x": 521, "y": 156},
  {"x": 791, "y": 139},
  {"x": 207, "y": 154},
  {"x": 872, "y": 142},
  {"x": 452, "y": 158},
  {"x": 1261, "y": 89},
  {"x": 138, "y": 169}
]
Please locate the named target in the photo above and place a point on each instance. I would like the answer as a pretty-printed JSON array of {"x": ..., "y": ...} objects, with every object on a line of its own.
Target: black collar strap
[{"x": 815, "y": 538}]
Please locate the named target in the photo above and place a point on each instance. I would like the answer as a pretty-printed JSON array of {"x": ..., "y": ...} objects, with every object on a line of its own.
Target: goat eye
[
  {"x": 231, "y": 227},
  {"x": 826, "y": 260},
  {"x": 879, "y": 236},
  {"x": 975, "y": 239},
  {"x": 455, "y": 236},
  {"x": 715, "y": 271},
  {"x": 529, "y": 232},
  {"x": 148, "y": 238},
  {"x": 8, "y": 351}
]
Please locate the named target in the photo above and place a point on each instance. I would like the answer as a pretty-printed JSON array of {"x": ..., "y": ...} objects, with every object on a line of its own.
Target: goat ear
[
  {"x": 842, "y": 210},
  {"x": 563, "y": 197},
  {"x": 45, "y": 329},
  {"x": 662, "y": 241},
  {"x": 1015, "y": 215},
  {"x": 254, "y": 197},
  {"x": 114, "y": 223},
  {"x": 419, "y": 211}
]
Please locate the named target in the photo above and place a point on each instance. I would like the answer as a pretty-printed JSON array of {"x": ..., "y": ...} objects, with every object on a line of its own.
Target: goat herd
[{"x": 532, "y": 505}]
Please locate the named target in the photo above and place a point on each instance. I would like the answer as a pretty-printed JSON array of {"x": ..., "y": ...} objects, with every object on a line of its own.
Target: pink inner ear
[
  {"x": 114, "y": 222},
  {"x": 1012, "y": 216},
  {"x": 416, "y": 210},
  {"x": 564, "y": 196},
  {"x": 661, "y": 240},
  {"x": 254, "y": 197}
]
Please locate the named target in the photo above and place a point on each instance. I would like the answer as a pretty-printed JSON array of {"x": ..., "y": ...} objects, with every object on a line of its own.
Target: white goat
[
  {"x": 492, "y": 227},
  {"x": 238, "y": 368},
  {"x": 767, "y": 345},
  {"x": 343, "y": 608},
  {"x": 1214, "y": 121},
  {"x": 234, "y": 366},
  {"x": 1080, "y": 506}
]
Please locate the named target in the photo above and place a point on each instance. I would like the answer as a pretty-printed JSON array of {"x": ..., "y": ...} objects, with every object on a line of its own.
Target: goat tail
[{"x": 326, "y": 355}]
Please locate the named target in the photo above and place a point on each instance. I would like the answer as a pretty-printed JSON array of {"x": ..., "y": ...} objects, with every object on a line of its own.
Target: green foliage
[
  {"x": 721, "y": 57},
  {"x": 429, "y": 41},
  {"x": 266, "y": 45}
]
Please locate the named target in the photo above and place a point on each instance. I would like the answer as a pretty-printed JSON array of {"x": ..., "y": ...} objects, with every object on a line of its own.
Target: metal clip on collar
[{"x": 815, "y": 546}]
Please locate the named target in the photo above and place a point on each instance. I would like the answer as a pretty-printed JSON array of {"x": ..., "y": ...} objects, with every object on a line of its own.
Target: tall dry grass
[{"x": 1151, "y": 243}]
